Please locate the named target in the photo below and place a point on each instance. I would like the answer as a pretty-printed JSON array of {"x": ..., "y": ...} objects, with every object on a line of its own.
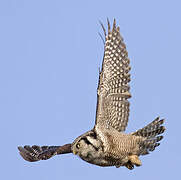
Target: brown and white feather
[
  {"x": 106, "y": 144},
  {"x": 113, "y": 88},
  {"x": 36, "y": 153}
]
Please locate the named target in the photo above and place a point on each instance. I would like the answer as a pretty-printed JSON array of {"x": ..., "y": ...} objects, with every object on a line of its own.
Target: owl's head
[{"x": 87, "y": 146}]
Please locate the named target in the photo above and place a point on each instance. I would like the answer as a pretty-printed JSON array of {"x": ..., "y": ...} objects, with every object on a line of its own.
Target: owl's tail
[{"x": 150, "y": 134}]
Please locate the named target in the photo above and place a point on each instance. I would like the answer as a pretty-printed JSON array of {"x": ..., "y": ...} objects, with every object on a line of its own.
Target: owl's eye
[
  {"x": 78, "y": 146},
  {"x": 89, "y": 155}
]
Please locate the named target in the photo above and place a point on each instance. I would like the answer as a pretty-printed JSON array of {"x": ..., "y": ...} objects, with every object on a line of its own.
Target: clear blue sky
[{"x": 50, "y": 52}]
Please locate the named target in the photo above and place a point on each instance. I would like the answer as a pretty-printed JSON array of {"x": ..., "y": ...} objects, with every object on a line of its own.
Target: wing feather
[
  {"x": 113, "y": 88},
  {"x": 36, "y": 153}
]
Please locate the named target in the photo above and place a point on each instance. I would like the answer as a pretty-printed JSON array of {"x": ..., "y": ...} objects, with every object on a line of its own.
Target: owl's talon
[{"x": 129, "y": 165}]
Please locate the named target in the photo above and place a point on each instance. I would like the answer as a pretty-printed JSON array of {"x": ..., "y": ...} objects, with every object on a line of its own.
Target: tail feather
[
  {"x": 151, "y": 129},
  {"x": 150, "y": 136}
]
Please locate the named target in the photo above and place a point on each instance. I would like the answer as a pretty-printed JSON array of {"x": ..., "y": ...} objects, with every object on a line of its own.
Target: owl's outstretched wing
[
  {"x": 113, "y": 88},
  {"x": 36, "y": 153}
]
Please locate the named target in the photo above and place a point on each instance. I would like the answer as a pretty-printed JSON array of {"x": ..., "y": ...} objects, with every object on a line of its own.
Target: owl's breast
[{"x": 117, "y": 144}]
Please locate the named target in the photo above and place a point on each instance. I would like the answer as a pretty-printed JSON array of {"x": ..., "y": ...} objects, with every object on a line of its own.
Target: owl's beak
[{"x": 74, "y": 152}]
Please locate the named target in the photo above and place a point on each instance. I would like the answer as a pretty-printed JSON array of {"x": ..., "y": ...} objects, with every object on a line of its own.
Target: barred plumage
[
  {"x": 150, "y": 133},
  {"x": 113, "y": 88},
  {"x": 36, "y": 153},
  {"x": 151, "y": 129},
  {"x": 106, "y": 144}
]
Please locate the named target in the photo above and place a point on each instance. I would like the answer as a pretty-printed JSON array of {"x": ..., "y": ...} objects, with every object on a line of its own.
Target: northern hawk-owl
[{"x": 107, "y": 144}]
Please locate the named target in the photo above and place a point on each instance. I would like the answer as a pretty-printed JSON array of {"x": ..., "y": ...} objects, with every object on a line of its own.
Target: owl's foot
[
  {"x": 135, "y": 160},
  {"x": 129, "y": 165}
]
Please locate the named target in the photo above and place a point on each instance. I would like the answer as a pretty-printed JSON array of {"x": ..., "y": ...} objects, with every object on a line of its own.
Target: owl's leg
[{"x": 135, "y": 160}]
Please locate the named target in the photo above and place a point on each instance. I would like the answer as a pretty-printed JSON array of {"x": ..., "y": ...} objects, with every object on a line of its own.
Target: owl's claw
[{"x": 129, "y": 165}]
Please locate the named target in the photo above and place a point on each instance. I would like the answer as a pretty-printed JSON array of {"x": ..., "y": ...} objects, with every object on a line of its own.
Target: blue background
[{"x": 50, "y": 52}]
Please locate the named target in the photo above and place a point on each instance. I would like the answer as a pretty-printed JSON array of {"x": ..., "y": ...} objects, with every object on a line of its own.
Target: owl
[{"x": 107, "y": 144}]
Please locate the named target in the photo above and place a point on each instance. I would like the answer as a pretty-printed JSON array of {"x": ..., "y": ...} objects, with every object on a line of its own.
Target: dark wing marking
[
  {"x": 36, "y": 153},
  {"x": 151, "y": 136},
  {"x": 113, "y": 88}
]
